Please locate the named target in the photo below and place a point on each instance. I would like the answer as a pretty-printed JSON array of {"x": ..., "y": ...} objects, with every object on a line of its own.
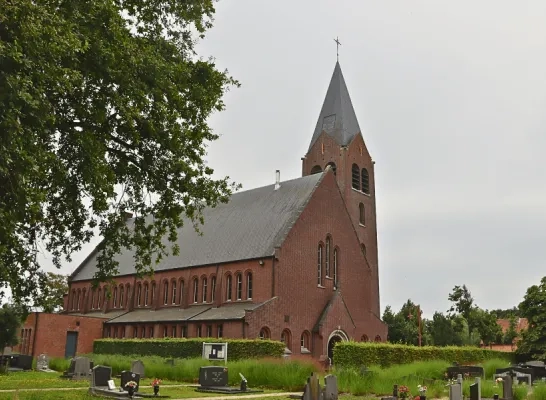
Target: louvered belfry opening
[
  {"x": 365, "y": 181},
  {"x": 356, "y": 176}
]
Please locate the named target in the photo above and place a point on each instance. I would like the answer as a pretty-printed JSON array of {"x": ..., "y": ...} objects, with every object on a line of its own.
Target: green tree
[
  {"x": 403, "y": 326},
  {"x": 533, "y": 340},
  {"x": 11, "y": 317},
  {"x": 463, "y": 303},
  {"x": 103, "y": 110},
  {"x": 441, "y": 330},
  {"x": 487, "y": 327},
  {"x": 511, "y": 333},
  {"x": 50, "y": 298}
]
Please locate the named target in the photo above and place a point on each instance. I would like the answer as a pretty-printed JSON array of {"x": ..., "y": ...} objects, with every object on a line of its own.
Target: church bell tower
[{"x": 337, "y": 143}]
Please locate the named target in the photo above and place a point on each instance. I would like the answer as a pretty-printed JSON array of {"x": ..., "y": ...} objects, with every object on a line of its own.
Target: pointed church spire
[{"x": 337, "y": 117}]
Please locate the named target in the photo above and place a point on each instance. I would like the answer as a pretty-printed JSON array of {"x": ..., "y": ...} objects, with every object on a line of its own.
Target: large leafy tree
[
  {"x": 487, "y": 327},
  {"x": 11, "y": 317},
  {"x": 463, "y": 303},
  {"x": 50, "y": 299},
  {"x": 103, "y": 110},
  {"x": 533, "y": 341}
]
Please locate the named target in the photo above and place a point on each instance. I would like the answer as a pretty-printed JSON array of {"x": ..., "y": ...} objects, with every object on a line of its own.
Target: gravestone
[
  {"x": 314, "y": 385},
  {"x": 82, "y": 367},
  {"x": 475, "y": 391},
  {"x": 395, "y": 391},
  {"x": 101, "y": 375},
  {"x": 128, "y": 376},
  {"x": 307, "y": 391},
  {"x": 213, "y": 376},
  {"x": 7, "y": 351},
  {"x": 138, "y": 368},
  {"x": 330, "y": 388},
  {"x": 42, "y": 362},
  {"x": 456, "y": 391},
  {"x": 23, "y": 362},
  {"x": 507, "y": 389}
]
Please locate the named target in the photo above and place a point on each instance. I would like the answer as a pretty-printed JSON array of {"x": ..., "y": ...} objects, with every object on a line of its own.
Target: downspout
[{"x": 35, "y": 333}]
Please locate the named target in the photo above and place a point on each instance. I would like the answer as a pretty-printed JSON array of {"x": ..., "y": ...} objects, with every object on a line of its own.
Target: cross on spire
[{"x": 338, "y": 43}]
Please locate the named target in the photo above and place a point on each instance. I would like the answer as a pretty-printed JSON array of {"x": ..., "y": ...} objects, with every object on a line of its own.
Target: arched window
[
  {"x": 249, "y": 286},
  {"x": 84, "y": 298},
  {"x": 355, "y": 173},
  {"x": 378, "y": 338},
  {"x": 78, "y": 301},
  {"x": 93, "y": 292},
  {"x": 121, "y": 297},
  {"x": 319, "y": 265},
  {"x": 365, "y": 181},
  {"x": 139, "y": 294},
  {"x": 152, "y": 300},
  {"x": 239, "y": 286},
  {"x": 327, "y": 269},
  {"x": 73, "y": 305},
  {"x": 195, "y": 289},
  {"x": 228, "y": 288},
  {"x": 166, "y": 292},
  {"x": 173, "y": 294},
  {"x": 364, "y": 338},
  {"x": 212, "y": 288},
  {"x": 146, "y": 294},
  {"x": 362, "y": 214},
  {"x": 316, "y": 169},
  {"x": 363, "y": 249},
  {"x": 204, "y": 290},
  {"x": 99, "y": 298},
  {"x": 265, "y": 333},
  {"x": 115, "y": 300},
  {"x": 333, "y": 165},
  {"x": 304, "y": 341},
  {"x": 336, "y": 260},
  {"x": 181, "y": 292},
  {"x": 286, "y": 338}
]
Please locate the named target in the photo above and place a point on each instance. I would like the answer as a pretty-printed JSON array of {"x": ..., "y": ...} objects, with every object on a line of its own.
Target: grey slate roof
[
  {"x": 249, "y": 226},
  {"x": 337, "y": 116},
  {"x": 193, "y": 313}
]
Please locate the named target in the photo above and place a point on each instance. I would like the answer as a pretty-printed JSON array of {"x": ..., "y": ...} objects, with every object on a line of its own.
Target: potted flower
[
  {"x": 403, "y": 392},
  {"x": 131, "y": 387},
  {"x": 498, "y": 380},
  {"x": 422, "y": 392},
  {"x": 155, "y": 383}
]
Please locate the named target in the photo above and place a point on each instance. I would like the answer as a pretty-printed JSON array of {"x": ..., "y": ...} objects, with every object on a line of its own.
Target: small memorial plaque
[{"x": 213, "y": 376}]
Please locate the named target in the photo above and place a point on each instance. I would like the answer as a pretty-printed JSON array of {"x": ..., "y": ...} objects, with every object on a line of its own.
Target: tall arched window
[
  {"x": 327, "y": 269},
  {"x": 152, "y": 300},
  {"x": 316, "y": 169},
  {"x": 228, "y": 288},
  {"x": 204, "y": 290},
  {"x": 249, "y": 286},
  {"x": 365, "y": 181},
  {"x": 166, "y": 292},
  {"x": 212, "y": 288},
  {"x": 146, "y": 294},
  {"x": 333, "y": 165},
  {"x": 265, "y": 333},
  {"x": 181, "y": 291},
  {"x": 93, "y": 292},
  {"x": 239, "y": 286},
  {"x": 99, "y": 299},
  {"x": 121, "y": 297},
  {"x": 286, "y": 338},
  {"x": 73, "y": 305},
  {"x": 304, "y": 341},
  {"x": 319, "y": 265},
  {"x": 139, "y": 294},
  {"x": 115, "y": 300},
  {"x": 195, "y": 289},
  {"x": 173, "y": 290},
  {"x": 355, "y": 173},
  {"x": 336, "y": 255},
  {"x": 362, "y": 214},
  {"x": 78, "y": 300}
]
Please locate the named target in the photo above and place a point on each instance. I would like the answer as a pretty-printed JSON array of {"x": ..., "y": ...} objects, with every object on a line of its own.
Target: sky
[{"x": 451, "y": 100}]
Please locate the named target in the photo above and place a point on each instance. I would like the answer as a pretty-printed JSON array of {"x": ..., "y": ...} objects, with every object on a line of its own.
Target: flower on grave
[
  {"x": 499, "y": 379},
  {"x": 156, "y": 382},
  {"x": 403, "y": 392},
  {"x": 131, "y": 384},
  {"x": 422, "y": 390}
]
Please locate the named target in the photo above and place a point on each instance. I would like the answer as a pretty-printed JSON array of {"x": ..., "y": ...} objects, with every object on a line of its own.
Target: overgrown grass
[
  {"x": 539, "y": 392},
  {"x": 490, "y": 366},
  {"x": 265, "y": 373}
]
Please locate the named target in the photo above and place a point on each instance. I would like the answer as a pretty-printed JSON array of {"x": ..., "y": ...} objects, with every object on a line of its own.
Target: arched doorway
[{"x": 335, "y": 337}]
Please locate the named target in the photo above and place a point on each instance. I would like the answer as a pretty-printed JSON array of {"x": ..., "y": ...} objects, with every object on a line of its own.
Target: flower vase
[
  {"x": 131, "y": 391},
  {"x": 156, "y": 390}
]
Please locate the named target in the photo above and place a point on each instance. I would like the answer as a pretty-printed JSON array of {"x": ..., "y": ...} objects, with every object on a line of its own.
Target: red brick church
[{"x": 294, "y": 261}]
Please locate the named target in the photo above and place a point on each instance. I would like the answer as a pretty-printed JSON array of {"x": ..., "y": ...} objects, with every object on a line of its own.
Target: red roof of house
[{"x": 521, "y": 324}]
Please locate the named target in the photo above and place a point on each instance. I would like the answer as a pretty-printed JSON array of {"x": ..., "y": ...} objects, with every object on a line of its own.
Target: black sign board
[{"x": 213, "y": 376}]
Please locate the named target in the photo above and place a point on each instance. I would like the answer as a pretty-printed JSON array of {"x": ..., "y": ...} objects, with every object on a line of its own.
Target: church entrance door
[{"x": 335, "y": 337}]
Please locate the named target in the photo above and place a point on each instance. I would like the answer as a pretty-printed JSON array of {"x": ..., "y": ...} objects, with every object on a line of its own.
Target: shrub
[
  {"x": 354, "y": 354},
  {"x": 188, "y": 348}
]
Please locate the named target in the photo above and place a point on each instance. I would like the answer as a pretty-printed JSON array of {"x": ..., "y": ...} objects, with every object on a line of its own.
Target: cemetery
[{"x": 215, "y": 374}]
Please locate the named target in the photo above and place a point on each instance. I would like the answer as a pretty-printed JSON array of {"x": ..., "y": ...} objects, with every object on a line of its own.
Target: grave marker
[
  {"x": 42, "y": 362},
  {"x": 507, "y": 389},
  {"x": 330, "y": 388},
  {"x": 213, "y": 376},
  {"x": 138, "y": 368},
  {"x": 101, "y": 375},
  {"x": 128, "y": 376}
]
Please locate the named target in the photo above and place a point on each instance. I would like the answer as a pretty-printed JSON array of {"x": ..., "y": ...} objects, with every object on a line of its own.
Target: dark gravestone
[
  {"x": 395, "y": 391},
  {"x": 213, "y": 376},
  {"x": 507, "y": 389},
  {"x": 128, "y": 376},
  {"x": 24, "y": 362},
  {"x": 101, "y": 375},
  {"x": 475, "y": 391}
]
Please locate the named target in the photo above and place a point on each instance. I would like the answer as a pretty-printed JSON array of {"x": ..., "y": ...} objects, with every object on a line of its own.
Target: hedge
[
  {"x": 356, "y": 354},
  {"x": 188, "y": 348}
]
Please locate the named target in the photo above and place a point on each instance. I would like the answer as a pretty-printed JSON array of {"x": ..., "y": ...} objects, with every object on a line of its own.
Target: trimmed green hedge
[
  {"x": 188, "y": 348},
  {"x": 356, "y": 354}
]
